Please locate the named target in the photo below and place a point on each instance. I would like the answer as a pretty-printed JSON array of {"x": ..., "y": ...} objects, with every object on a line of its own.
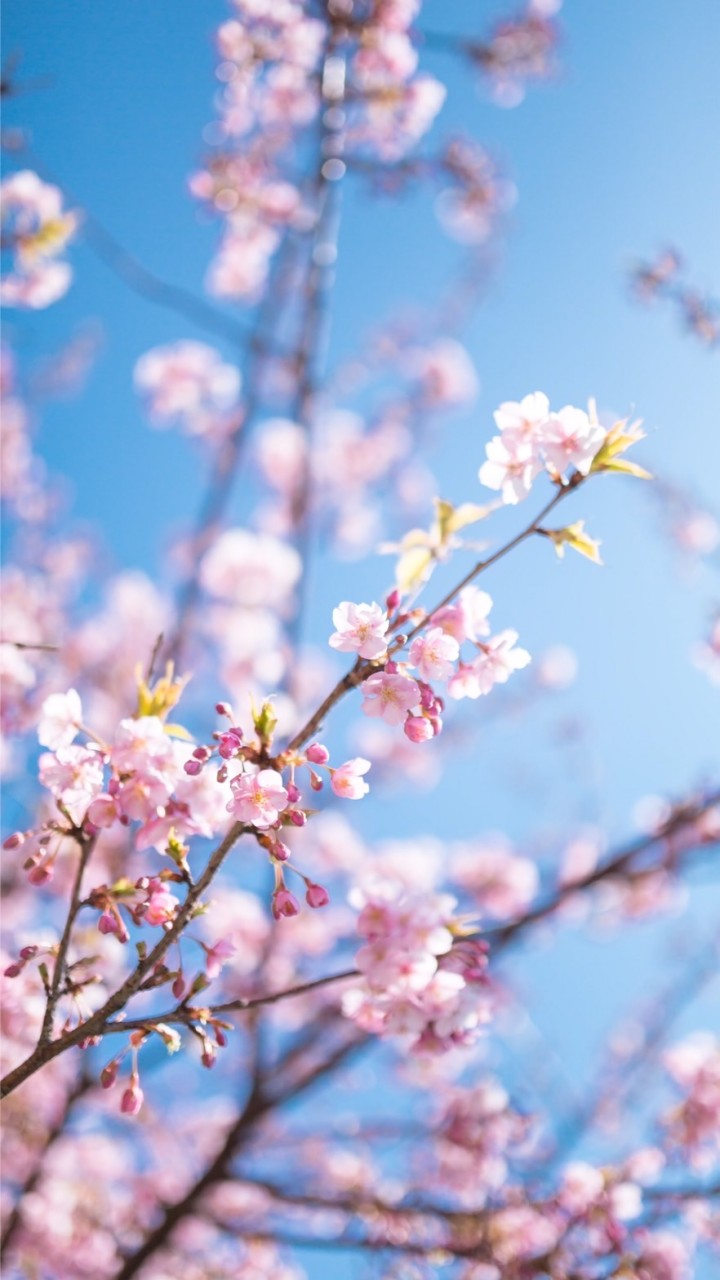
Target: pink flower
[
  {"x": 61, "y": 714},
  {"x": 161, "y": 906},
  {"x": 446, "y": 374},
  {"x": 494, "y": 665},
  {"x": 360, "y": 629},
  {"x": 524, "y": 420},
  {"x": 251, "y": 569},
  {"x": 466, "y": 618},
  {"x": 570, "y": 439},
  {"x": 217, "y": 955},
  {"x": 434, "y": 654},
  {"x": 188, "y": 382},
  {"x": 389, "y": 696},
  {"x": 74, "y": 776},
  {"x": 511, "y": 466},
  {"x": 348, "y": 782},
  {"x": 258, "y": 798}
]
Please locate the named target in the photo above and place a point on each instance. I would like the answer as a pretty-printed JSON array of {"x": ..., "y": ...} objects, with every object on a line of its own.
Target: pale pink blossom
[
  {"x": 251, "y": 569},
  {"x": 389, "y": 696},
  {"x": 348, "y": 781},
  {"x": 497, "y": 660},
  {"x": 37, "y": 230},
  {"x": 258, "y": 797},
  {"x": 187, "y": 382},
  {"x": 360, "y": 628},
  {"x": 161, "y": 906},
  {"x": 571, "y": 439},
  {"x": 500, "y": 882},
  {"x": 74, "y": 776},
  {"x": 523, "y": 420},
  {"x": 217, "y": 955},
  {"x": 466, "y": 618},
  {"x": 512, "y": 465},
  {"x": 61, "y": 715},
  {"x": 446, "y": 374},
  {"x": 433, "y": 653}
]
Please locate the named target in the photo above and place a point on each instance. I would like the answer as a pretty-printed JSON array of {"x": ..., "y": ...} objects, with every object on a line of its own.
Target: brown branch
[
  {"x": 86, "y": 844},
  {"x": 94, "y": 1025},
  {"x": 499, "y": 938},
  {"x": 259, "y": 1103},
  {"x": 364, "y": 668}
]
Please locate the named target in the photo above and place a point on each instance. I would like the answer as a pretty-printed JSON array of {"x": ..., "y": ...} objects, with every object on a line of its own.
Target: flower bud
[
  {"x": 317, "y": 896},
  {"x": 109, "y": 1073},
  {"x": 418, "y": 729},
  {"x": 133, "y": 1097},
  {"x": 317, "y": 753},
  {"x": 284, "y": 903}
]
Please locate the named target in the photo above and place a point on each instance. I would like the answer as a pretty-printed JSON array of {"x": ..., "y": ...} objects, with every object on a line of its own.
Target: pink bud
[
  {"x": 15, "y": 840},
  {"x": 293, "y": 793},
  {"x": 208, "y": 1056},
  {"x": 297, "y": 817},
  {"x": 284, "y": 903},
  {"x": 108, "y": 1075},
  {"x": 107, "y": 922},
  {"x": 317, "y": 753},
  {"x": 280, "y": 851},
  {"x": 132, "y": 1098},
  {"x": 41, "y": 874},
  {"x": 220, "y": 1037},
  {"x": 13, "y": 971},
  {"x": 392, "y": 601},
  {"x": 193, "y": 767},
  {"x": 27, "y": 953},
  {"x": 418, "y": 729},
  {"x": 202, "y": 753},
  {"x": 178, "y": 987},
  {"x": 391, "y": 667},
  {"x": 315, "y": 782},
  {"x": 222, "y": 773},
  {"x": 223, "y": 709},
  {"x": 317, "y": 896}
]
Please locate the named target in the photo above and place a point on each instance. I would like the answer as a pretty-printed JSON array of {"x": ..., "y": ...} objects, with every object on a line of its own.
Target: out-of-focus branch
[{"x": 260, "y": 1102}]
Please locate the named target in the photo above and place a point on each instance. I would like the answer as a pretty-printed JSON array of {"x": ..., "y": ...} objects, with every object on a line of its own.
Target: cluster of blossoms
[
  {"x": 478, "y": 196},
  {"x": 35, "y": 231},
  {"x": 533, "y": 438},
  {"x": 392, "y": 104},
  {"x": 693, "y": 1126},
  {"x": 419, "y": 982},
  {"x": 399, "y": 698},
  {"x": 188, "y": 384},
  {"x": 662, "y": 279},
  {"x": 519, "y": 50},
  {"x": 269, "y": 56},
  {"x": 152, "y": 782}
]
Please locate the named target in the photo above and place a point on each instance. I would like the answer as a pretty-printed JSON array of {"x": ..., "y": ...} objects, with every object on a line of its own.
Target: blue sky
[{"x": 615, "y": 159}]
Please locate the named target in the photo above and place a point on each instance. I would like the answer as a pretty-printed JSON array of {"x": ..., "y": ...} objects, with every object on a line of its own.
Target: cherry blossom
[
  {"x": 348, "y": 781},
  {"x": 434, "y": 654},
  {"x": 389, "y": 696},
  {"x": 187, "y": 382},
  {"x": 360, "y": 628},
  {"x": 38, "y": 230},
  {"x": 259, "y": 797}
]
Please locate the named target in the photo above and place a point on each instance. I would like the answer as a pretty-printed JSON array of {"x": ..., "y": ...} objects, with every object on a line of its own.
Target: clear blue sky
[{"x": 615, "y": 159}]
